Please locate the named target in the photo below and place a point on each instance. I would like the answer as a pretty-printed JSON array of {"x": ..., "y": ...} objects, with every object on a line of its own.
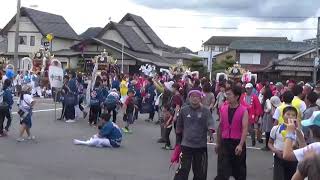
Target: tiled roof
[
  {"x": 143, "y": 57},
  {"x": 227, "y": 40},
  {"x": 290, "y": 62},
  {"x": 279, "y": 46},
  {"x": 91, "y": 32},
  {"x": 129, "y": 35},
  {"x": 178, "y": 55},
  {"x": 46, "y": 23},
  {"x": 3, "y": 45},
  {"x": 66, "y": 52},
  {"x": 145, "y": 28}
]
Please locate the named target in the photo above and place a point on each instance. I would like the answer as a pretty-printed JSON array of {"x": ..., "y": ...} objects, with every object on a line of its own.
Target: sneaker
[
  {"x": 76, "y": 142},
  {"x": 125, "y": 130},
  {"x": 265, "y": 148},
  {"x": 70, "y": 121},
  {"x": 148, "y": 120},
  {"x": 160, "y": 140},
  {"x": 157, "y": 122},
  {"x": 31, "y": 138},
  {"x": 20, "y": 139},
  {"x": 3, "y": 135},
  {"x": 167, "y": 147}
]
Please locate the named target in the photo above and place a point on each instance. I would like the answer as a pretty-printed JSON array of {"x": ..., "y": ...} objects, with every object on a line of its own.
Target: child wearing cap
[
  {"x": 313, "y": 123},
  {"x": 284, "y": 169},
  {"x": 26, "y": 105},
  {"x": 128, "y": 108},
  {"x": 109, "y": 134}
]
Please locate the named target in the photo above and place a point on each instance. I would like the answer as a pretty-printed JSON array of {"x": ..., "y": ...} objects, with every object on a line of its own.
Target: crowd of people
[{"x": 197, "y": 110}]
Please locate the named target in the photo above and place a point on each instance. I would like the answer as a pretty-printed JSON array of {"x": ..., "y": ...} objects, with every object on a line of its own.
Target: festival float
[
  {"x": 180, "y": 70},
  {"x": 236, "y": 74}
]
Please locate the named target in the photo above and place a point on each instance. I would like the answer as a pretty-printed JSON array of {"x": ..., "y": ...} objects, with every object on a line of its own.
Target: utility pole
[
  {"x": 122, "y": 48},
  {"x": 16, "y": 61},
  {"x": 210, "y": 63},
  {"x": 316, "y": 60}
]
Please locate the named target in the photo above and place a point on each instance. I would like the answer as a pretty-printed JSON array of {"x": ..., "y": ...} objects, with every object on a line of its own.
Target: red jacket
[{"x": 254, "y": 108}]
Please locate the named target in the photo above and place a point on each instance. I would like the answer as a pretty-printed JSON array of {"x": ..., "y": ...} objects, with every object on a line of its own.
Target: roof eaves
[{"x": 101, "y": 42}]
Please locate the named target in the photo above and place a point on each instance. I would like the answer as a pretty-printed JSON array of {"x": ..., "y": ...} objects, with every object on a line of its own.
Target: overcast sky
[{"x": 187, "y": 23}]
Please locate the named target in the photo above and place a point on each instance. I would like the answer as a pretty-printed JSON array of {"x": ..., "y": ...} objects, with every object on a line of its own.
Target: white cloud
[{"x": 82, "y": 14}]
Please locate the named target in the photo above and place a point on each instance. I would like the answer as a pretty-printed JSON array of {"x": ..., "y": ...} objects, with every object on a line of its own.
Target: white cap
[
  {"x": 249, "y": 85},
  {"x": 168, "y": 85}
]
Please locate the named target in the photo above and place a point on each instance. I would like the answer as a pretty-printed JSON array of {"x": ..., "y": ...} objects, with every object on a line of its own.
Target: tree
[
  {"x": 197, "y": 65},
  {"x": 223, "y": 65}
]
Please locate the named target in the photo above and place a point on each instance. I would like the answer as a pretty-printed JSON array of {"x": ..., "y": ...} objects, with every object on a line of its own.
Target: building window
[
  {"x": 250, "y": 58},
  {"x": 23, "y": 40},
  {"x": 222, "y": 49},
  {"x": 32, "y": 40}
]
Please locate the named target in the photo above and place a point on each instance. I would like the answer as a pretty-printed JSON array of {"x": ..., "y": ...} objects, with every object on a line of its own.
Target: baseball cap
[
  {"x": 313, "y": 120},
  {"x": 249, "y": 85},
  {"x": 279, "y": 84},
  {"x": 308, "y": 85},
  {"x": 168, "y": 85}
]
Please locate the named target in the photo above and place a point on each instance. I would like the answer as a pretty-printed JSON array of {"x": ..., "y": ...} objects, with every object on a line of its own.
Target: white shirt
[
  {"x": 26, "y": 102},
  {"x": 299, "y": 153},
  {"x": 267, "y": 106},
  {"x": 275, "y": 135},
  {"x": 277, "y": 113},
  {"x": 303, "y": 105}
]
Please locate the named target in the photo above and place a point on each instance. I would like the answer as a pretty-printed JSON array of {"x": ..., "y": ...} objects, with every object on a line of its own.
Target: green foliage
[
  {"x": 223, "y": 65},
  {"x": 197, "y": 65}
]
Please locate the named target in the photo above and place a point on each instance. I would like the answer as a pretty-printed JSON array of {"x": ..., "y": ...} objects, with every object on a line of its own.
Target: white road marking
[
  {"x": 41, "y": 110},
  {"x": 248, "y": 147}
]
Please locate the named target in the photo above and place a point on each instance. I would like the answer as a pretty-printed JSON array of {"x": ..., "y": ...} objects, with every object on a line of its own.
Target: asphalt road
[{"x": 53, "y": 156}]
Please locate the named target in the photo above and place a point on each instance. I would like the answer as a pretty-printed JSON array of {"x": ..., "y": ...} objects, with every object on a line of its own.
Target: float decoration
[
  {"x": 179, "y": 68},
  {"x": 148, "y": 70}
]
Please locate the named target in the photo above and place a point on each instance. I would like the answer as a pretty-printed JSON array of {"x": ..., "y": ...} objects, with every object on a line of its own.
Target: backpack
[
  {"x": 3, "y": 105},
  {"x": 111, "y": 102}
]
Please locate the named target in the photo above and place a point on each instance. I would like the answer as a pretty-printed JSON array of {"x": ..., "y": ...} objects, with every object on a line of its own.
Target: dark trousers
[
  {"x": 69, "y": 112},
  {"x": 80, "y": 104},
  {"x": 114, "y": 114},
  {"x": 267, "y": 138},
  {"x": 167, "y": 136},
  {"x": 5, "y": 113},
  {"x": 63, "y": 111},
  {"x": 151, "y": 115},
  {"x": 229, "y": 164},
  {"x": 252, "y": 133},
  {"x": 9, "y": 119},
  {"x": 136, "y": 113},
  {"x": 198, "y": 158},
  {"x": 94, "y": 114},
  {"x": 283, "y": 170}
]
